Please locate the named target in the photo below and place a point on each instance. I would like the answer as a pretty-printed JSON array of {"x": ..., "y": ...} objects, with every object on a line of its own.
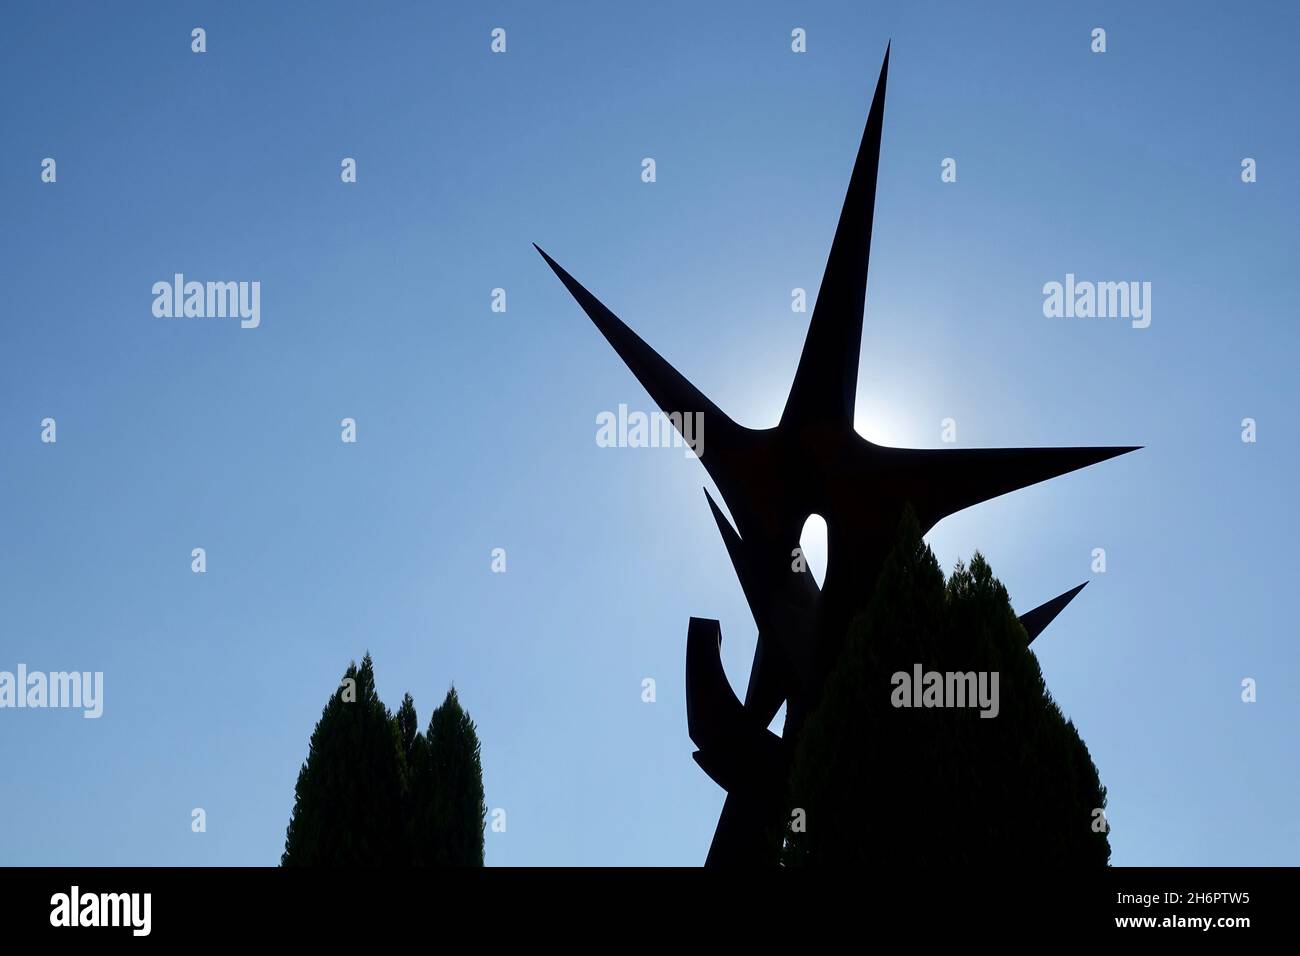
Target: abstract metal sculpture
[{"x": 812, "y": 462}]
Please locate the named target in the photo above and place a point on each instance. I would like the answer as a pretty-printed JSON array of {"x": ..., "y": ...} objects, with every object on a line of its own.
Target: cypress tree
[
  {"x": 450, "y": 825},
  {"x": 418, "y": 790},
  {"x": 374, "y": 791},
  {"x": 408, "y": 730},
  {"x": 888, "y": 786},
  {"x": 348, "y": 800}
]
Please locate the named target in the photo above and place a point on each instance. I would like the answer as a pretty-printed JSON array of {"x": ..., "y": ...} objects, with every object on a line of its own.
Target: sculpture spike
[
  {"x": 1036, "y": 621},
  {"x": 669, "y": 389},
  {"x": 826, "y": 382},
  {"x": 771, "y": 480},
  {"x": 943, "y": 482}
]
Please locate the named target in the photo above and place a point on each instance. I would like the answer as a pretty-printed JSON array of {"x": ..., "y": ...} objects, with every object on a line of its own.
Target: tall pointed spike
[
  {"x": 826, "y": 381},
  {"x": 1035, "y": 621},
  {"x": 669, "y": 389}
]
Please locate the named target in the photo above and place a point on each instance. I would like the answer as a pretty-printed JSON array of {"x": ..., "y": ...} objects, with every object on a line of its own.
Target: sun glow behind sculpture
[
  {"x": 771, "y": 479},
  {"x": 879, "y": 423}
]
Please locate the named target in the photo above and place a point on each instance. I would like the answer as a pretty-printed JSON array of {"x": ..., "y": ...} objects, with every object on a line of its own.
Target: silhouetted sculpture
[{"x": 812, "y": 462}]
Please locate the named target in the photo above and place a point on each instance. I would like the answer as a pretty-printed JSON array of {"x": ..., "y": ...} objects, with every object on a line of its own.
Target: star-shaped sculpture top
[{"x": 814, "y": 462}]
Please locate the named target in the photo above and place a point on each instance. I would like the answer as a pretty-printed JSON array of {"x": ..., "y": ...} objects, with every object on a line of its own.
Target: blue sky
[{"x": 476, "y": 429}]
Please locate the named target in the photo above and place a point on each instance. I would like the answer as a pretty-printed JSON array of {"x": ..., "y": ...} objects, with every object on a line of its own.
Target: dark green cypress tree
[
  {"x": 418, "y": 792},
  {"x": 348, "y": 802},
  {"x": 888, "y": 787},
  {"x": 408, "y": 729},
  {"x": 449, "y": 823}
]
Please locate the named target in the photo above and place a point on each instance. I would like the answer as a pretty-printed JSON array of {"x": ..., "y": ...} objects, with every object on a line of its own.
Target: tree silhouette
[
  {"x": 373, "y": 792},
  {"x": 408, "y": 730},
  {"x": 451, "y": 833},
  {"x": 884, "y": 785},
  {"x": 347, "y": 803}
]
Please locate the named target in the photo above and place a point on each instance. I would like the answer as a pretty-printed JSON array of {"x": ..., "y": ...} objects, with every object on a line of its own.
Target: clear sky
[{"x": 476, "y": 430}]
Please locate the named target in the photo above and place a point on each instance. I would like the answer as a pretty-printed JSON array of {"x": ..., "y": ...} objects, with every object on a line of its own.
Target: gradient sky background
[{"x": 477, "y": 430}]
